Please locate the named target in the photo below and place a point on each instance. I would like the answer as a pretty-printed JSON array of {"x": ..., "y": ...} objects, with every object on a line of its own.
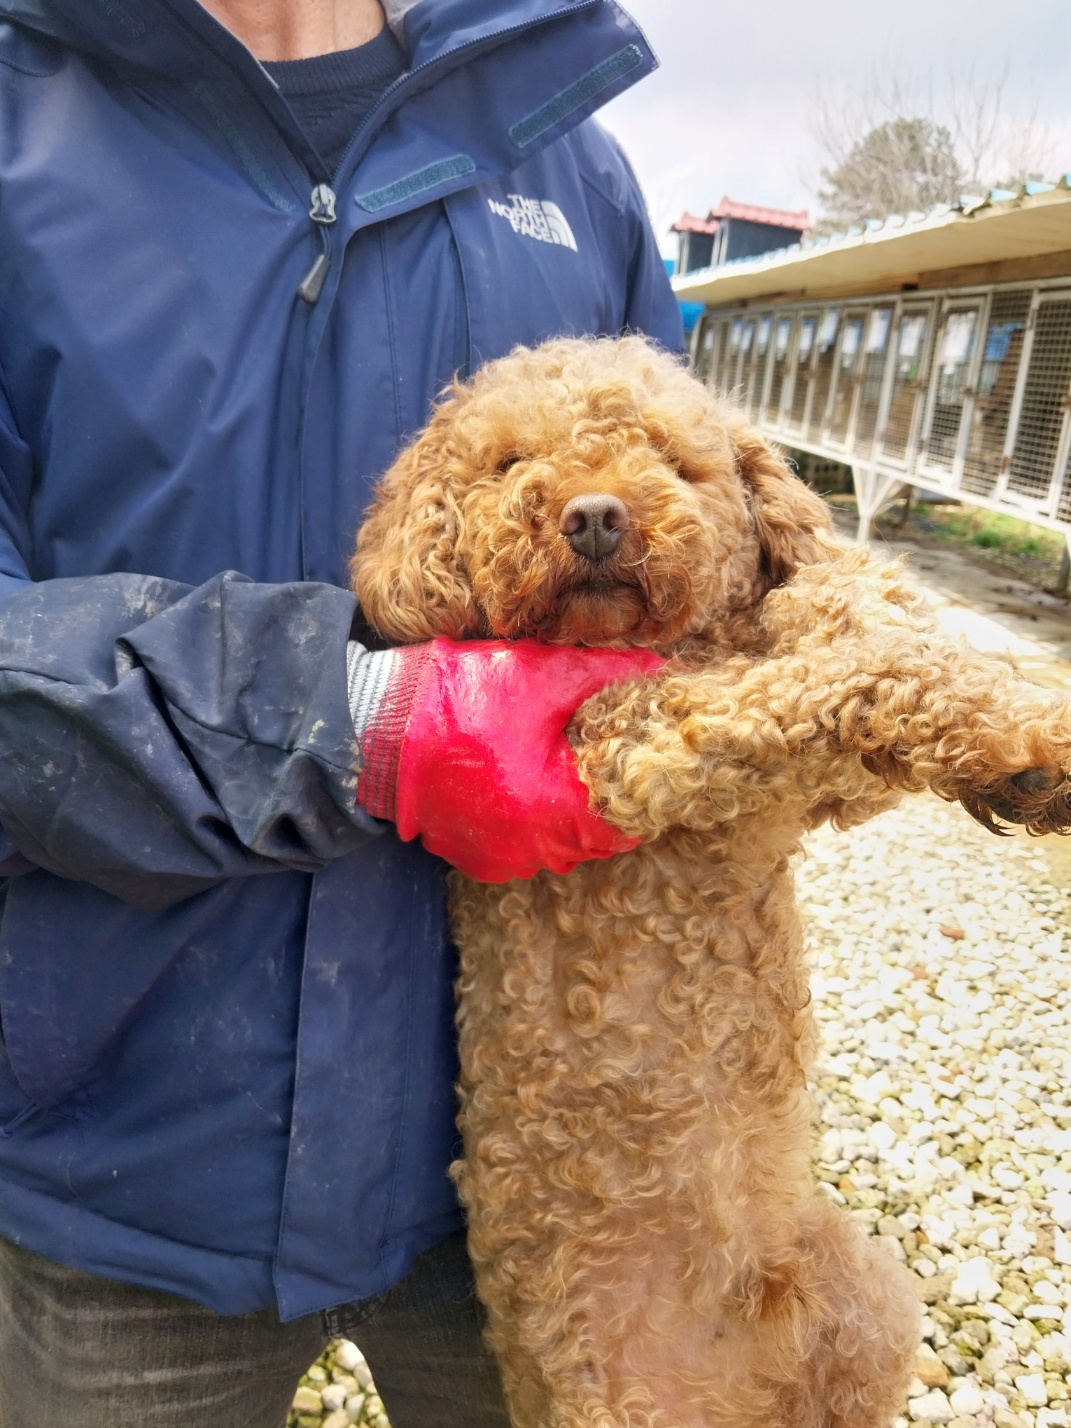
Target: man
[{"x": 241, "y": 247}]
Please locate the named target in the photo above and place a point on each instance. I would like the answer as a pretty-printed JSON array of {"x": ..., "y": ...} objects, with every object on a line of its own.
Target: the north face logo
[{"x": 536, "y": 218}]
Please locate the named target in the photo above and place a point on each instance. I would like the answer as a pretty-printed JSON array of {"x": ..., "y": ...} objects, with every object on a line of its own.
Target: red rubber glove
[{"x": 464, "y": 746}]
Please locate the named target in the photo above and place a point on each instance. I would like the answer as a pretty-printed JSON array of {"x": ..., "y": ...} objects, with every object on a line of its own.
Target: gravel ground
[
  {"x": 337, "y": 1391},
  {"x": 942, "y": 979},
  {"x": 942, "y": 973}
]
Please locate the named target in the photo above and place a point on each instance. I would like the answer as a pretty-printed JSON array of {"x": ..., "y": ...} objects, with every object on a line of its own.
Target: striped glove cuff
[{"x": 381, "y": 685}]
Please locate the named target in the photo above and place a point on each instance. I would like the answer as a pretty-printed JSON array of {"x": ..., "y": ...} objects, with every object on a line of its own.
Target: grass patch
[
  {"x": 991, "y": 530},
  {"x": 1006, "y": 543}
]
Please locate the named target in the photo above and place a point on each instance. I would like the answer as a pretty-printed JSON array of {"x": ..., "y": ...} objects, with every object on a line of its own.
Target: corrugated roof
[
  {"x": 753, "y": 212},
  {"x": 1034, "y": 220}
]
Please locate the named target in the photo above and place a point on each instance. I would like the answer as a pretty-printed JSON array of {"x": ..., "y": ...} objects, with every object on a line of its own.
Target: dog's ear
[
  {"x": 407, "y": 569},
  {"x": 792, "y": 522}
]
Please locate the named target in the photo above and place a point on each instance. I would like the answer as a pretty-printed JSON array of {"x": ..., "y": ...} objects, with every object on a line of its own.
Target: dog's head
[{"x": 584, "y": 492}]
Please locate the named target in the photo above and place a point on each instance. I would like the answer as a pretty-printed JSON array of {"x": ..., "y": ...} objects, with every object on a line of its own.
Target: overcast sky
[{"x": 732, "y": 108}]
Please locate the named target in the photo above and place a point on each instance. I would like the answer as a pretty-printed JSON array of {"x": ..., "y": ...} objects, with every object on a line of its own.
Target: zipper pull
[
  {"x": 323, "y": 204},
  {"x": 323, "y": 213},
  {"x": 313, "y": 281}
]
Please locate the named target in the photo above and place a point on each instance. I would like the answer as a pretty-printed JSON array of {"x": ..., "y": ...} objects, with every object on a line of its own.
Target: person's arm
[{"x": 155, "y": 739}]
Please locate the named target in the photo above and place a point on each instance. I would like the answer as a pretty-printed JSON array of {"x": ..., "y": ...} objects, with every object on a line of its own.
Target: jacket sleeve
[{"x": 157, "y": 739}]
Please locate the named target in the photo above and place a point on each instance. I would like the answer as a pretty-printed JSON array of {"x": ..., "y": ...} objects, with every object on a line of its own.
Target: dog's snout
[{"x": 593, "y": 524}]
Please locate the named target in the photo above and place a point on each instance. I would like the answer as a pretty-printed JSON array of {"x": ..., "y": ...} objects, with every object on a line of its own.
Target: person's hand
[{"x": 463, "y": 745}]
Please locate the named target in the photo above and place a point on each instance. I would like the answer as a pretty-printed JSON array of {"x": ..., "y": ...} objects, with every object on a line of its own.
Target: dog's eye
[
  {"x": 506, "y": 463},
  {"x": 671, "y": 459}
]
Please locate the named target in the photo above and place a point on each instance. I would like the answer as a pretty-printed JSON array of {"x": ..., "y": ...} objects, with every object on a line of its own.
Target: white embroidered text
[{"x": 536, "y": 218}]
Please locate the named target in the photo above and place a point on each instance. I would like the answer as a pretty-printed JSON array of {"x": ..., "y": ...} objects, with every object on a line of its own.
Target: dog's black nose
[{"x": 593, "y": 525}]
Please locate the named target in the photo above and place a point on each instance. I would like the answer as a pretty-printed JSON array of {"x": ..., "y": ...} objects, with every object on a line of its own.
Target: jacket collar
[
  {"x": 532, "y": 70},
  {"x": 170, "y": 35}
]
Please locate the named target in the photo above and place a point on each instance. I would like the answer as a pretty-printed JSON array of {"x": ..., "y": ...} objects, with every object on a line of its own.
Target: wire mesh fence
[{"x": 965, "y": 391}]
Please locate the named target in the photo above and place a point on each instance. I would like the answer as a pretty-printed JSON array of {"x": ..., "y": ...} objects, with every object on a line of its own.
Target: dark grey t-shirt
[{"x": 331, "y": 94}]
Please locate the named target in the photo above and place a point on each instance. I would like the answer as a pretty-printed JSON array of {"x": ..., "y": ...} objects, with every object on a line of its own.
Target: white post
[
  {"x": 872, "y": 492},
  {"x": 863, "y": 485},
  {"x": 1064, "y": 576}
]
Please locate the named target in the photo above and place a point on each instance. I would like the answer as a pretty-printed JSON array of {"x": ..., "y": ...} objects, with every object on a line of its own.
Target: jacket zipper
[{"x": 323, "y": 214}]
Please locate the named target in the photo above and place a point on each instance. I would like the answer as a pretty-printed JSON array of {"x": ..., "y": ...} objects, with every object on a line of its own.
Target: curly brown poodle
[{"x": 636, "y": 1036}]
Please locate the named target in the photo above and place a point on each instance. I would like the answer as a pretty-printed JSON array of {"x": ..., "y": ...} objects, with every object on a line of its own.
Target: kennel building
[{"x": 929, "y": 350}]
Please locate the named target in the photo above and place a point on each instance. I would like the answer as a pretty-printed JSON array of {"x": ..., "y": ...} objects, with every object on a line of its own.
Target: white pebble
[
  {"x": 966, "y": 1400},
  {"x": 973, "y": 1282},
  {"x": 1032, "y": 1387},
  {"x": 1060, "y": 1208},
  {"x": 307, "y": 1400},
  {"x": 1006, "y": 1177},
  {"x": 1019, "y": 1241},
  {"x": 348, "y": 1356},
  {"x": 933, "y": 1406}
]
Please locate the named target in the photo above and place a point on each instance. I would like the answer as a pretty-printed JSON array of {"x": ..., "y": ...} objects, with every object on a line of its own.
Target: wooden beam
[
  {"x": 1011, "y": 270},
  {"x": 1015, "y": 270}
]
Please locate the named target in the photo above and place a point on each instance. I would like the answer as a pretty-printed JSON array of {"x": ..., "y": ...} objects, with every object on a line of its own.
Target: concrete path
[
  {"x": 994, "y": 611},
  {"x": 998, "y": 612}
]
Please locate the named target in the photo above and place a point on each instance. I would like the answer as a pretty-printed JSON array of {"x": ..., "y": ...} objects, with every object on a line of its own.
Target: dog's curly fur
[{"x": 636, "y": 1037}]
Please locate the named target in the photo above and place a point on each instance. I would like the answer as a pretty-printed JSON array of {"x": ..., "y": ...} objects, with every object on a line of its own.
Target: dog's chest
[{"x": 620, "y": 960}]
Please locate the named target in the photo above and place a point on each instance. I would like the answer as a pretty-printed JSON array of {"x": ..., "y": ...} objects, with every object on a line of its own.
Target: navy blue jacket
[{"x": 226, "y": 1001}]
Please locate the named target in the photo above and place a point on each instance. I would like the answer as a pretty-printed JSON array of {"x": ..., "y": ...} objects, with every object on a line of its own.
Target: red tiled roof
[
  {"x": 730, "y": 208},
  {"x": 783, "y": 218},
  {"x": 688, "y": 223}
]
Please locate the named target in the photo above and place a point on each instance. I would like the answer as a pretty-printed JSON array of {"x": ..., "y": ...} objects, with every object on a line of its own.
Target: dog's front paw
[{"x": 1038, "y": 799}]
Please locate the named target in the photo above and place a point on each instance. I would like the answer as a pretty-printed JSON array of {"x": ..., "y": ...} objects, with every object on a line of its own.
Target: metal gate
[
  {"x": 825, "y": 354},
  {"x": 871, "y": 380},
  {"x": 800, "y": 374},
  {"x": 908, "y": 378},
  {"x": 1039, "y": 454},
  {"x": 779, "y": 362},
  {"x": 845, "y": 378},
  {"x": 996, "y": 385}
]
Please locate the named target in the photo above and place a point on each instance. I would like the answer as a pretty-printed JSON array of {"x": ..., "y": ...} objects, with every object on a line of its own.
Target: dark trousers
[{"x": 82, "y": 1352}]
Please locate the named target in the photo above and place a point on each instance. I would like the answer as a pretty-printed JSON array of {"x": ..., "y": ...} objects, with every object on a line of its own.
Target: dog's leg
[
  {"x": 920, "y": 706},
  {"x": 860, "y": 1318},
  {"x": 969, "y": 728},
  {"x": 829, "y": 724}
]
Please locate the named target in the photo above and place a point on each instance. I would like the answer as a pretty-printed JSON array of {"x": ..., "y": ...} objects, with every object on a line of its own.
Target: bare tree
[
  {"x": 900, "y": 165},
  {"x": 899, "y": 146},
  {"x": 998, "y": 147}
]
